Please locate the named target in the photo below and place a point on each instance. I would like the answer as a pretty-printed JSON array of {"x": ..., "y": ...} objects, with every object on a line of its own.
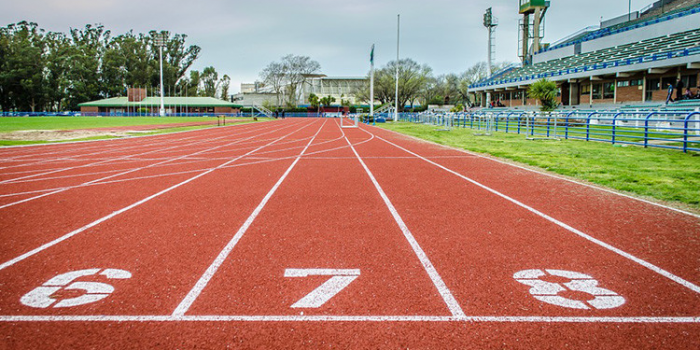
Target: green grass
[
  {"x": 665, "y": 175},
  {"x": 9, "y": 124}
]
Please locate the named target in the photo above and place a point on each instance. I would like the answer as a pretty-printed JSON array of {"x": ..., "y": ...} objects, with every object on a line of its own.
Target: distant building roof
[{"x": 155, "y": 101}]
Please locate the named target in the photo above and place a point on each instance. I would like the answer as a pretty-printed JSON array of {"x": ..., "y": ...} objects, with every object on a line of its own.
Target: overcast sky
[{"x": 240, "y": 38}]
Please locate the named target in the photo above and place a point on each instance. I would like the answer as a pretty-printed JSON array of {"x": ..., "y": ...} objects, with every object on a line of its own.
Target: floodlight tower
[
  {"x": 531, "y": 34},
  {"x": 159, "y": 41},
  {"x": 490, "y": 22}
]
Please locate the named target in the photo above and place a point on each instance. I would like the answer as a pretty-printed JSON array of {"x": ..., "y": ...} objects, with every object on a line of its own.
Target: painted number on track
[
  {"x": 326, "y": 291},
  {"x": 548, "y": 292},
  {"x": 42, "y": 296}
]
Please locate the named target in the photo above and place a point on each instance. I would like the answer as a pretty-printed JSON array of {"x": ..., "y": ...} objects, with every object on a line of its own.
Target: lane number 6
[{"x": 41, "y": 297}]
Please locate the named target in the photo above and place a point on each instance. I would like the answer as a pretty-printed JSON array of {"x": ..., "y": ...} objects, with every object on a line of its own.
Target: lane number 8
[{"x": 548, "y": 292}]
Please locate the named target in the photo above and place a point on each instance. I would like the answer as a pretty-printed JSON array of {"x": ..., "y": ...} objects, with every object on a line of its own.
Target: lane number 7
[{"x": 326, "y": 291}]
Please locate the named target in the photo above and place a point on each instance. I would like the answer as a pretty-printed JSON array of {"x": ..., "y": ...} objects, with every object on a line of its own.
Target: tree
[
  {"x": 89, "y": 45},
  {"x": 274, "y": 76},
  {"x": 287, "y": 77},
  {"x": 314, "y": 100},
  {"x": 210, "y": 79},
  {"x": 22, "y": 71},
  {"x": 298, "y": 69},
  {"x": 545, "y": 91},
  {"x": 225, "y": 84},
  {"x": 413, "y": 78},
  {"x": 55, "y": 71},
  {"x": 327, "y": 101}
]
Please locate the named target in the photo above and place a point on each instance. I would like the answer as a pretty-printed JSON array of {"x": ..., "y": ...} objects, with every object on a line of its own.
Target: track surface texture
[{"x": 298, "y": 233}]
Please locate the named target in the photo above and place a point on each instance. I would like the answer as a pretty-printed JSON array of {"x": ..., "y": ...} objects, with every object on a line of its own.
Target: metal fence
[{"x": 660, "y": 129}]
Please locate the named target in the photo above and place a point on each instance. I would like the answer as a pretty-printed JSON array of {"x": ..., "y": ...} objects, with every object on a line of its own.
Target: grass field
[
  {"x": 15, "y": 124},
  {"x": 9, "y": 124},
  {"x": 665, "y": 175}
]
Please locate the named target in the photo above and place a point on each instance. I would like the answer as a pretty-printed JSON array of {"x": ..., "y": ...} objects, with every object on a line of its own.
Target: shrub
[{"x": 546, "y": 92}]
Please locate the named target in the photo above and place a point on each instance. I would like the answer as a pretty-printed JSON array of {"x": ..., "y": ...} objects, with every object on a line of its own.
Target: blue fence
[{"x": 670, "y": 130}]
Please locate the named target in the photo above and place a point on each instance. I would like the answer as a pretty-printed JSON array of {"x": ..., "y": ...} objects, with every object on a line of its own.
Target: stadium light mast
[
  {"x": 396, "y": 96},
  {"x": 490, "y": 23},
  {"x": 371, "y": 83},
  {"x": 160, "y": 42}
]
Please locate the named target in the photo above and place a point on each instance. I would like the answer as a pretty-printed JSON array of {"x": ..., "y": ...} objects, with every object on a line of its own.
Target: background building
[
  {"x": 629, "y": 59},
  {"x": 341, "y": 88},
  {"x": 137, "y": 102}
]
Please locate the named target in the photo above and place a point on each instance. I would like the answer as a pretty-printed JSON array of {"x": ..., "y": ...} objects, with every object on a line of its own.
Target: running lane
[
  {"x": 325, "y": 223},
  {"x": 662, "y": 236},
  {"x": 156, "y": 249},
  {"x": 28, "y": 225}
]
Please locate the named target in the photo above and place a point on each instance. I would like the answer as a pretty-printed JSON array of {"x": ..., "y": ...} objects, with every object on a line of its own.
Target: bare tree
[
  {"x": 274, "y": 76},
  {"x": 288, "y": 76},
  {"x": 298, "y": 69}
]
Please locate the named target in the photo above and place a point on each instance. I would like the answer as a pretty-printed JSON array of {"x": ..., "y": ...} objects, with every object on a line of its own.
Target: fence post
[
  {"x": 614, "y": 126},
  {"x": 685, "y": 131},
  {"x": 566, "y": 125},
  {"x": 646, "y": 129},
  {"x": 549, "y": 119},
  {"x": 588, "y": 126}
]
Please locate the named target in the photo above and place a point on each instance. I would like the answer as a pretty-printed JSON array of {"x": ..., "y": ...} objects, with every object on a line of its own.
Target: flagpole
[
  {"x": 371, "y": 84},
  {"x": 396, "y": 100}
]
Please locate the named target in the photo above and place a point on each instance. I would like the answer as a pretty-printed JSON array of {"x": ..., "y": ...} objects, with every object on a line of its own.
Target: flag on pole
[{"x": 371, "y": 55}]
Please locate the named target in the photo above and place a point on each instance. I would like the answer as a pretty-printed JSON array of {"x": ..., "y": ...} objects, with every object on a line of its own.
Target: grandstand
[{"x": 622, "y": 63}]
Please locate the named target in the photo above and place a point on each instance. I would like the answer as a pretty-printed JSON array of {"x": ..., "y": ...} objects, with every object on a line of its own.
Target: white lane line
[
  {"x": 13, "y": 180},
  {"x": 282, "y": 318},
  {"x": 211, "y": 270},
  {"x": 120, "y": 211},
  {"x": 607, "y": 246},
  {"x": 595, "y": 187},
  {"x": 136, "y": 160},
  {"x": 136, "y": 169},
  {"x": 255, "y": 161},
  {"x": 101, "y": 147},
  {"x": 447, "y": 296},
  {"x": 154, "y": 137}
]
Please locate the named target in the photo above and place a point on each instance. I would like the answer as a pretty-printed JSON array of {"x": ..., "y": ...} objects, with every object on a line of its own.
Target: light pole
[
  {"x": 396, "y": 96},
  {"x": 160, "y": 42}
]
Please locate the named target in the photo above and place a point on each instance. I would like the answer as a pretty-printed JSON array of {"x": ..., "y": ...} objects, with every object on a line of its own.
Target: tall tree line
[
  {"x": 49, "y": 71},
  {"x": 418, "y": 85}
]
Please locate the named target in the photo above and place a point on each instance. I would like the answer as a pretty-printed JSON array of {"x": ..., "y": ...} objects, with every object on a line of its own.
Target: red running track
[{"x": 299, "y": 233}]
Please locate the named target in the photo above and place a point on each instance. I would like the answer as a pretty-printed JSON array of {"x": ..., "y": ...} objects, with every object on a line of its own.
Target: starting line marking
[{"x": 470, "y": 319}]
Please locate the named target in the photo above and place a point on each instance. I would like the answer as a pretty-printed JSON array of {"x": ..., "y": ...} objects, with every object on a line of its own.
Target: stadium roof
[
  {"x": 677, "y": 49},
  {"x": 155, "y": 101}
]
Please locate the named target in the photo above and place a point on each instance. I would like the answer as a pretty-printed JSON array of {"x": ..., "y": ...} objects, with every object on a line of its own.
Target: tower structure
[
  {"x": 490, "y": 22},
  {"x": 531, "y": 27}
]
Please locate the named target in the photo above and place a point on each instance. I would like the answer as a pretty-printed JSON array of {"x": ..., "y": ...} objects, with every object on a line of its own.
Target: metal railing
[{"x": 659, "y": 129}]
